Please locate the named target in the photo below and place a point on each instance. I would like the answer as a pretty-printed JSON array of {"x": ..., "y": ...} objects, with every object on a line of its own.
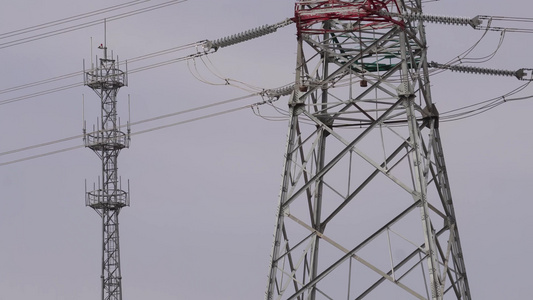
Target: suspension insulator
[
  {"x": 520, "y": 74},
  {"x": 246, "y": 35},
  {"x": 282, "y": 91},
  {"x": 474, "y": 22}
]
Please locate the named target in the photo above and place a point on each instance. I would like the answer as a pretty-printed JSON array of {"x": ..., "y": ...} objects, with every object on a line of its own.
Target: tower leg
[
  {"x": 371, "y": 214},
  {"x": 111, "y": 275}
]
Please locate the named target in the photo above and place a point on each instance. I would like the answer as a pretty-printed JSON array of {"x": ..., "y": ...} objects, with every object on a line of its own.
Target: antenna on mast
[
  {"x": 92, "y": 62},
  {"x": 105, "y": 38}
]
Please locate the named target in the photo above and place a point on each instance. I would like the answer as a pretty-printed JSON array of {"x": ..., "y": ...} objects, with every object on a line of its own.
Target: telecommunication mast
[{"x": 106, "y": 140}]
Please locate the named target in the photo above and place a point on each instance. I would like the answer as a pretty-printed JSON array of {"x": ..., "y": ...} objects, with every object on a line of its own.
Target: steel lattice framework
[
  {"x": 107, "y": 141},
  {"x": 365, "y": 207}
]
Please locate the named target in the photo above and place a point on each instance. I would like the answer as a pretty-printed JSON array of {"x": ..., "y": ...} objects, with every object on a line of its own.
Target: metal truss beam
[{"x": 365, "y": 206}]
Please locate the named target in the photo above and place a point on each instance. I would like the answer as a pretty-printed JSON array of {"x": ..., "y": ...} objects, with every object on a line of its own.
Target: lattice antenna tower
[
  {"x": 365, "y": 207},
  {"x": 106, "y": 140}
]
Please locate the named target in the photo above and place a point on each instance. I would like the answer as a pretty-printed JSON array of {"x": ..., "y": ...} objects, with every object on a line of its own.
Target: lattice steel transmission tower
[
  {"x": 365, "y": 208},
  {"x": 106, "y": 140}
]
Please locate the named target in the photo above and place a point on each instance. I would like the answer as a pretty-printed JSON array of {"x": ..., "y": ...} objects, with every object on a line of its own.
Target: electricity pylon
[
  {"x": 365, "y": 207},
  {"x": 106, "y": 141}
]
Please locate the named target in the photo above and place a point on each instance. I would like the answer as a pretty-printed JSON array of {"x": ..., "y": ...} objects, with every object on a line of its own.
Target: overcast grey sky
[{"x": 204, "y": 194}]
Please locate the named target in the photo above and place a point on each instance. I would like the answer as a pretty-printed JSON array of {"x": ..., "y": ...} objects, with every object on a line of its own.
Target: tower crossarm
[
  {"x": 367, "y": 14},
  {"x": 521, "y": 74}
]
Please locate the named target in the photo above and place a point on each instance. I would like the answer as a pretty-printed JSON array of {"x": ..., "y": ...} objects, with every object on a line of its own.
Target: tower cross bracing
[{"x": 365, "y": 207}]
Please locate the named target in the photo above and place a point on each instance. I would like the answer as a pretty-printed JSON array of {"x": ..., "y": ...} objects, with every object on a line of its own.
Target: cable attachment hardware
[
  {"x": 278, "y": 92},
  {"x": 520, "y": 74}
]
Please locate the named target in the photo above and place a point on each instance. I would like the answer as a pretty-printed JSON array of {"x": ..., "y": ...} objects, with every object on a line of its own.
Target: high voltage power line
[
  {"x": 74, "y": 74},
  {"x": 203, "y": 47},
  {"x": 84, "y": 25},
  {"x": 68, "y": 19},
  {"x": 449, "y": 116},
  {"x": 440, "y": 19},
  {"x": 207, "y": 47},
  {"x": 452, "y": 115},
  {"x": 170, "y": 50},
  {"x": 80, "y": 73},
  {"x": 133, "y": 124}
]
